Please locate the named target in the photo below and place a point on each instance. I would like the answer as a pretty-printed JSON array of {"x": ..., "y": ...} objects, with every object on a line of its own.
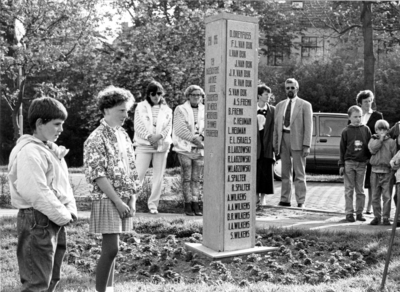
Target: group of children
[{"x": 357, "y": 148}]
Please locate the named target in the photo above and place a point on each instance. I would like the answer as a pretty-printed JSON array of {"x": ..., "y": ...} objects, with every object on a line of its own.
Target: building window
[
  {"x": 310, "y": 48},
  {"x": 277, "y": 51},
  {"x": 297, "y": 4}
]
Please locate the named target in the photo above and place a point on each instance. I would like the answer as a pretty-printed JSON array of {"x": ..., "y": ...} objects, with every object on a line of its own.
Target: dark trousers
[{"x": 40, "y": 250}]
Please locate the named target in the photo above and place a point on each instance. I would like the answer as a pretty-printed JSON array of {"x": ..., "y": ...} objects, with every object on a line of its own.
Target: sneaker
[
  {"x": 350, "y": 218},
  {"x": 368, "y": 213},
  {"x": 153, "y": 211},
  {"x": 284, "y": 204},
  {"x": 386, "y": 221},
  {"x": 375, "y": 221},
  {"x": 360, "y": 217}
]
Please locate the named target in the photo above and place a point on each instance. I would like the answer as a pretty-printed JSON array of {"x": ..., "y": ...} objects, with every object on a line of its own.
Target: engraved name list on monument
[{"x": 239, "y": 134}]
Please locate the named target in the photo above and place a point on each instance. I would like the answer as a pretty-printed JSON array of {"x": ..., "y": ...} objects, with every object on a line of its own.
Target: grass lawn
[{"x": 153, "y": 259}]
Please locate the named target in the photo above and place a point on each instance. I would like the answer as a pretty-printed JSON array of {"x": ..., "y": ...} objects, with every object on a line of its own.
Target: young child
[
  {"x": 354, "y": 155},
  {"x": 40, "y": 189},
  {"x": 110, "y": 169},
  {"x": 382, "y": 148},
  {"x": 395, "y": 163},
  {"x": 394, "y": 133}
]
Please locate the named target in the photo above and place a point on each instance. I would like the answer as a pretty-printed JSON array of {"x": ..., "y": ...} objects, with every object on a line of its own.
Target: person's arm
[
  {"x": 375, "y": 143},
  {"x": 139, "y": 126},
  {"x": 32, "y": 185},
  {"x": 308, "y": 126},
  {"x": 105, "y": 185},
  {"x": 165, "y": 132}
]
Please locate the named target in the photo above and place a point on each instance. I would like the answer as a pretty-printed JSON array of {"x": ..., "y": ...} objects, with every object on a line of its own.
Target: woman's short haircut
[
  {"x": 363, "y": 95},
  {"x": 47, "y": 109},
  {"x": 261, "y": 88},
  {"x": 354, "y": 108},
  {"x": 153, "y": 88},
  {"x": 112, "y": 96},
  {"x": 192, "y": 88},
  {"x": 381, "y": 125}
]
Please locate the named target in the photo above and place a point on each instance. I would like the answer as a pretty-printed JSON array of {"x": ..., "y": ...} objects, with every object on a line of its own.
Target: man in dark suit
[{"x": 292, "y": 141}]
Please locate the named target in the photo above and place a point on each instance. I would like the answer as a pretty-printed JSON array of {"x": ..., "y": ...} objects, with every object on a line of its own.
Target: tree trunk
[{"x": 369, "y": 58}]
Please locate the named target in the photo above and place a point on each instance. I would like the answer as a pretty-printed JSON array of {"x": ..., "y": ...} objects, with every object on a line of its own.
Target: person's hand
[
  {"x": 74, "y": 218},
  {"x": 306, "y": 151},
  {"x": 341, "y": 170},
  {"x": 198, "y": 142},
  {"x": 123, "y": 209},
  {"x": 132, "y": 206}
]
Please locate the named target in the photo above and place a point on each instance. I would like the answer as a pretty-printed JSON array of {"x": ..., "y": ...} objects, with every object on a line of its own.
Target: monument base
[{"x": 199, "y": 248}]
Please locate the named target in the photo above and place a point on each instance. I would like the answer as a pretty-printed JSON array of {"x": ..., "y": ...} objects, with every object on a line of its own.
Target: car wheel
[{"x": 278, "y": 170}]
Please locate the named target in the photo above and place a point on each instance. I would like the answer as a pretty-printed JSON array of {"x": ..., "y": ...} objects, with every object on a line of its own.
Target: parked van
[{"x": 324, "y": 152}]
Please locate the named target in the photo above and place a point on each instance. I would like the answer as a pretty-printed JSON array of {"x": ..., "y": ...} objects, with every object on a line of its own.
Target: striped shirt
[
  {"x": 181, "y": 125},
  {"x": 141, "y": 129}
]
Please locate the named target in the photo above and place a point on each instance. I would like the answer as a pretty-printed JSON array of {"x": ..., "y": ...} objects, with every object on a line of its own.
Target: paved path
[{"x": 323, "y": 210}]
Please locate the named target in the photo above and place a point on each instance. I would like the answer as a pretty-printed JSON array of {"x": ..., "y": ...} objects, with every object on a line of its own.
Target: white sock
[{"x": 110, "y": 289}]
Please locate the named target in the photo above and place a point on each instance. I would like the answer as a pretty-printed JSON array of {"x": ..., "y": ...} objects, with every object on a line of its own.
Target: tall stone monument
[{"x": 230, "y": 137}]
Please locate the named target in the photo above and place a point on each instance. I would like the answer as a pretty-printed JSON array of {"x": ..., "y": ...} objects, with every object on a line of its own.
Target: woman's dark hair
[
  {"x": 364, "y": 95},
  {"x": 112, "y": 96},
  {"x": 46, "y": 109},
  {"x": 153, "y": 88},
  {"x": 261, "y": 88}
]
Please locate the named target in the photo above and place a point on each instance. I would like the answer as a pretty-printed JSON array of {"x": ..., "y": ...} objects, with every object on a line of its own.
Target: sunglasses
[
  {"x": 195, "y": 95},
  {"x": 292, "y": 88},
  {"x": 156, "y": 93}
]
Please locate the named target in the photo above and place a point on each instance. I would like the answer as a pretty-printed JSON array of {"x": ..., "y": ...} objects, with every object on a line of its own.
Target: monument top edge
[{"x": 229, "y": 16}]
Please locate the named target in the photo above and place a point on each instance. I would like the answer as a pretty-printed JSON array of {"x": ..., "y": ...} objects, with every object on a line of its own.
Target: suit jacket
[
  {"x": 267, "y": 139},
  {"x": 301, "y": 125},
  {"x": 375, "y": 116}
]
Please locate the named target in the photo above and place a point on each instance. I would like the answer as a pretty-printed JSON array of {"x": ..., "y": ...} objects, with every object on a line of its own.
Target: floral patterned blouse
[{"x": 102, "y": 159}]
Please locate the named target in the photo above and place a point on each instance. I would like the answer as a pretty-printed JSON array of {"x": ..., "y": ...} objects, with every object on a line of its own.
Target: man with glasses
[{"x": 292, "y": 141}]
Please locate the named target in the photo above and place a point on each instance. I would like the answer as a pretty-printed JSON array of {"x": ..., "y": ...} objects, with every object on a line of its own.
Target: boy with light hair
[
  {"x": 382, "y": 148},
  {"x": 354, "y": 155}
]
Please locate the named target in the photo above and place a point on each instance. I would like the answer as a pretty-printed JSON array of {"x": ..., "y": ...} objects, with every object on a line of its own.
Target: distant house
[{"x": 311, "y": 38}]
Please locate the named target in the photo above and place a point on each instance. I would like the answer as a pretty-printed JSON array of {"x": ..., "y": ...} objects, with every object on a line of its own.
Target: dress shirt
[
  {"x": 294, "y": 99},
  {"x": 365, "y": 117}
]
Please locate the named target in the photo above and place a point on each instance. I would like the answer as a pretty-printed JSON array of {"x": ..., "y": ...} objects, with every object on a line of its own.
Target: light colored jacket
[
  {"x": 382, "y": 152},
  {"x": 301, "y": 125},
  {"x": 395, "y": 164},
  {"x": 144, "y": 126},
  {"x": 38, "y": 178},
  {"x": 181, "y": 144}
]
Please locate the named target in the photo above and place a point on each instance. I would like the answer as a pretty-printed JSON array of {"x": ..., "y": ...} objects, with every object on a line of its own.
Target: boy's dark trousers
[{"x": 41, "y": 248}]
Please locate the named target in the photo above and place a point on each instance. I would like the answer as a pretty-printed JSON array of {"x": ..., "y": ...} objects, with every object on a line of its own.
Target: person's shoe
[
  {"x": 284, "y": 204},
  {"x": 398, "y": 223},
  {"x": 153, "y": 211},
  {"x": 196, "y": 209},
  {"x": 350, "y": 218},
  {"x": 368, "y": 212},
  {"x": 188, "y": 209},
  {"x": 360, "y": 217},
  {"x": 375, "y": 221},
  {"x": 300, "y": 205},
  {"x": 386, "y": 221}
]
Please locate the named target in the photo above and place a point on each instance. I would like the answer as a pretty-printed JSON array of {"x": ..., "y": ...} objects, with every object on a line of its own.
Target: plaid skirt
[{"x": 105, "y": 218}]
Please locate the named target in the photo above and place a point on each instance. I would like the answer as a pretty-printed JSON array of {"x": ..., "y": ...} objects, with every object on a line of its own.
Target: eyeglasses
[
  {"x": 292, "y": 88},
  {"x": 195, "y": 95},
  {"x": 156, "y": 93}
]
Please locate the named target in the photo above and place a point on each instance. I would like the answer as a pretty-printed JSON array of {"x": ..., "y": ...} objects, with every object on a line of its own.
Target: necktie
[{"x": 287, "y": 114}]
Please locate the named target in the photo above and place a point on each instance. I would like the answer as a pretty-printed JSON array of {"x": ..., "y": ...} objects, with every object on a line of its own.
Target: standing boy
[
  {"x": 354, "y": 155},
  {"x": 40, "y": 189},
  {"x": 382, "y": 148}
]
